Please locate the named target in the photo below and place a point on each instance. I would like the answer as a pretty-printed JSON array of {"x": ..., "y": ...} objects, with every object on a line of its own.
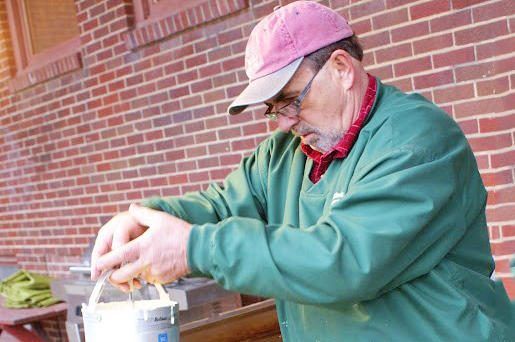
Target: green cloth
[
  {"x": 25, "y": 289},
  {"x": 390, "y": 245}
]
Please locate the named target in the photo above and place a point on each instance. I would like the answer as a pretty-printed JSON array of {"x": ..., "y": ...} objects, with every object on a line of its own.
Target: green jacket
[{"x": 390, "y": 245}]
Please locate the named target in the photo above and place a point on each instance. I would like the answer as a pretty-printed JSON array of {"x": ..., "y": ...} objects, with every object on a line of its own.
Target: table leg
[
  {"x": 38, "y": 329},
  {"x": 21, "y": 333}
]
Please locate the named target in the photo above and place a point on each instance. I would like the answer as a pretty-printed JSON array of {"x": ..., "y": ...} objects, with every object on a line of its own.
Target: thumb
[{"x": 143, "y": 215}]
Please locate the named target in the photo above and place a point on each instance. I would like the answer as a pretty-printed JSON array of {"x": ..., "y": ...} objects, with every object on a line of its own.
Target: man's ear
[{"x": 341, "y": 62}]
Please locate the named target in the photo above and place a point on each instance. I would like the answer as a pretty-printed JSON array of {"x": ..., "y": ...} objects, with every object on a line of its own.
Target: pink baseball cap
[{"x": 278, "y": 44}]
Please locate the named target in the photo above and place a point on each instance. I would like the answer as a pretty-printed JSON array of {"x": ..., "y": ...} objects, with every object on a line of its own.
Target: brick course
[{"x": 141, "y": 111}]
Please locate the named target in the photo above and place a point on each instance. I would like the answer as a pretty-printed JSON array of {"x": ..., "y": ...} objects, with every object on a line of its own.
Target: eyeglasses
[{"x": 292, "y": 108}]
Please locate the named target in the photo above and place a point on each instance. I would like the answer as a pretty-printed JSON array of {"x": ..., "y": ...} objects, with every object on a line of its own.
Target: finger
[
  {"x": 120, "y": 237},
  {"x": 143, "y": 215},
  {"x": 119, "y": 285},
  {"x": 126, "y": 253},
  {"x": 104, "y": 242},
  {"x": 102, "y": 246},
  {"x": 147, "y": 276},
  {"x": 122, "y": 287},
  {"x": 127, "y": 272},
  {"x": 125, "y": 286},
  {"x": 128, "y": 229}
]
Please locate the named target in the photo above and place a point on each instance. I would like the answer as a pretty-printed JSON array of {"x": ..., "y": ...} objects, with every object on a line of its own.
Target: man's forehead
[
  {"x": 284, "y": 94},
  {"x": 291, "y": 89},
  {"x": 294, "y": 86}
]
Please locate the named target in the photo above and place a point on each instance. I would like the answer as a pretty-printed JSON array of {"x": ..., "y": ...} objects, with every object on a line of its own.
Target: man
[{"x": 364, "y": 216}]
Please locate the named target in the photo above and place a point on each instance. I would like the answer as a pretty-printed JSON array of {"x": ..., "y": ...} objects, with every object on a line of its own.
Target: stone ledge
[
  {"x": 181, "y": 21},
  {"x": 45, "y": 73}
]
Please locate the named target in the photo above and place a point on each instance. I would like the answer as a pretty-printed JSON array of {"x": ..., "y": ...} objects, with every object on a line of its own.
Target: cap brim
[{"x": 264, "y": 88}]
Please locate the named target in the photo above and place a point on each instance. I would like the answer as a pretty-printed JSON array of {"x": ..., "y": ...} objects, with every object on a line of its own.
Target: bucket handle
[{"x": 99, "y": 287}]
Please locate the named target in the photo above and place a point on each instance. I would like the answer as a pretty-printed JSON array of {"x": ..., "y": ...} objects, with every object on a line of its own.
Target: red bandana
[{"x": 321, "y": 161}]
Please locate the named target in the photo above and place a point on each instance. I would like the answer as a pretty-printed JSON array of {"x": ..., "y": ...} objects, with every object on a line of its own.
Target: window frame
[{"x": 27, "y": 61}]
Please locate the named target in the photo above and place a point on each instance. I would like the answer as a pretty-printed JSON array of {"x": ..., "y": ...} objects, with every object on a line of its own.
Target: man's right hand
[{"x": 121, "y": 229}]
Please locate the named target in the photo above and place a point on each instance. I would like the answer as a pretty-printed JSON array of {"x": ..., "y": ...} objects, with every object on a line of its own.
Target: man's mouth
[{"x": 301, "y": 134}]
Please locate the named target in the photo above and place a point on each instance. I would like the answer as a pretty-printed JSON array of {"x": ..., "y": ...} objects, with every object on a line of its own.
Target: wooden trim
[
  {"x": 25, "y": 37},
  {"x": 15, "y": 27}
]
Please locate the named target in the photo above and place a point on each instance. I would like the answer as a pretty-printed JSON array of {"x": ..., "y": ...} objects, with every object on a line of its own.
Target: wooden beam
[{"x": 257, "y": 321}]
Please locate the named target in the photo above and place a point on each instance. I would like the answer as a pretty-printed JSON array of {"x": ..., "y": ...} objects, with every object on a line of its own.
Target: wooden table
[
  {"x": 13, "y": 320},
  {"x": 255, "y": 322}
]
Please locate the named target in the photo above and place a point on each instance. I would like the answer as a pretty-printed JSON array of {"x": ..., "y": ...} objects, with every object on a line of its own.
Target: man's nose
[{"x": 285, "y": 123}]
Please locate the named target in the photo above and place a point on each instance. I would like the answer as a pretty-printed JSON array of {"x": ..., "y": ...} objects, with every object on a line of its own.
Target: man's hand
[
  {"x": 155, "y": 249},
  {"x": 121, "y": 229}
]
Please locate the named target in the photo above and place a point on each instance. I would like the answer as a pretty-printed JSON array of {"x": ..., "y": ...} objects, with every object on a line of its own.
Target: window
[
  {"x": 157, "y": 19},
  {"x": 42, "y": 31},
  {"x": 151, "y": 10}
]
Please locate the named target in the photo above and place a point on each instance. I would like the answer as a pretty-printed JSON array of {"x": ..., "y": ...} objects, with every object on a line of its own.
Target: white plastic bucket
[{"x": 142, "y": 321}]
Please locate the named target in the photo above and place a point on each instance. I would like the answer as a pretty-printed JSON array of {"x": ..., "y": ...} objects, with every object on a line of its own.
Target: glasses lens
[
  {"x": 271, "y": 116},
  {"x": 289, "y": 110}
]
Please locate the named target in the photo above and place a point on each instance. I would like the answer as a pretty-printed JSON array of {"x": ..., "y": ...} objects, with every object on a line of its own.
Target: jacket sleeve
[{"x": 393, "y": 225}]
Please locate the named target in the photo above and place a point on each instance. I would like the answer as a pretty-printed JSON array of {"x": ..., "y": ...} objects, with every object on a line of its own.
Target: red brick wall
[{"x": 144, "y": 112}]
